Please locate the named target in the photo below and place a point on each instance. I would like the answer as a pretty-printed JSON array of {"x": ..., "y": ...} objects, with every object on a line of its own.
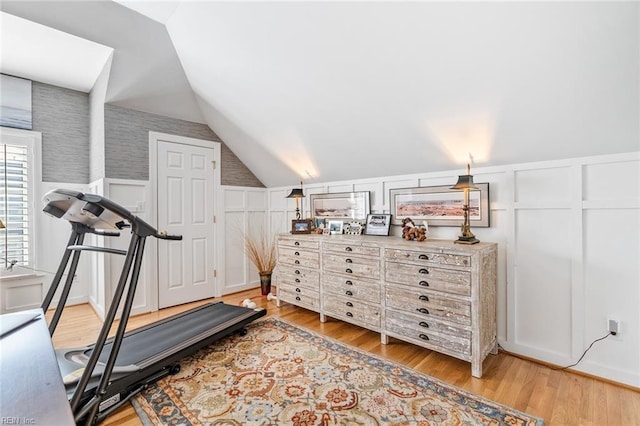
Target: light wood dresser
[{"x": 434, "y": 293}]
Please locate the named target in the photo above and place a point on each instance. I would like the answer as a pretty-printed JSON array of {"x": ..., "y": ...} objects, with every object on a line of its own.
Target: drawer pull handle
[
  {"x": 297, "y": 253},
  {"x": 348, "y": 271},
  {"x": 348, "y": 260},
  {"x": 349, "y": 304},
  {"x": 349, "y": 314},
  {"x": 424, "y": 298},
  {"x": 348, "y": 249},
  {"x": 424, "y": 283},
  {"x": 423, "y": 324},
  {"x": 423, "y": 271},
  {"x": 298, "y": 298},
  {"x": 296, "y": 243},
  {"x": 297, "y": 262},
  {"x": 348, "y": 293},
  {"x": 348, "y": 282},
  {"x": 297, "y": 272},
  {"x": 297, "y": 280},
  {"x": 423, "y": 311},
  {"x": 424, "y": 337},
  {"x": 423, "y": 257},
  {"x": 297, "y": 290}
]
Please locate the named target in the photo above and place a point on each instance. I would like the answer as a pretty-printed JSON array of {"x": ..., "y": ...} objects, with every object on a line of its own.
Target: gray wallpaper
[
  {"x": 127, "y": 145},
  {"x": 62, "y": 116}
]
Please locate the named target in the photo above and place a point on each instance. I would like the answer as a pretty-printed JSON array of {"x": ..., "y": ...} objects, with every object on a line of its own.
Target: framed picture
[
  {"x": 440, "y": 205},
  {"x": 301, "y": 226},
  {"x": 345, "y": 206},
  {"x": 377, "y": 224},
  {"x": 320, "y": 222},
  {"x": 353, "y": 228},
  {"x": 335, "y": 227}
]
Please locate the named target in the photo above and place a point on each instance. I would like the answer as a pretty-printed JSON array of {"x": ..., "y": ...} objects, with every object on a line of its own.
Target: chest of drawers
[
  {"x": 297, "y": 272},
  {"x": 436, "y": 294}
]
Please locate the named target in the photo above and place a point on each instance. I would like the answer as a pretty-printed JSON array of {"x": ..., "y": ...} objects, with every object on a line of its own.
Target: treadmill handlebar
[
  {"x": 90, "y": 212},
  {"x": 164, "y": 236}
]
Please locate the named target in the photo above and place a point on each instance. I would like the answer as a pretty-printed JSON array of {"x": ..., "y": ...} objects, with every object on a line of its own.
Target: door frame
[{"x": 152, "y": 243}]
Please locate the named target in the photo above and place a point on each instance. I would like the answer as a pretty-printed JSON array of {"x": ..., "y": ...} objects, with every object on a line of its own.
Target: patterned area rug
[{"x": 281, "y": 374}]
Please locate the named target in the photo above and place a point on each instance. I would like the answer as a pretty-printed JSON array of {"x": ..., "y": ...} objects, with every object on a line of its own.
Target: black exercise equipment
[{"x": 101, "y": 377}]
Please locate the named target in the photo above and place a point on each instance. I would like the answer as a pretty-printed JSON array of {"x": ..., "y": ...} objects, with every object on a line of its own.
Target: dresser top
[{"x": 393, "y": 242}]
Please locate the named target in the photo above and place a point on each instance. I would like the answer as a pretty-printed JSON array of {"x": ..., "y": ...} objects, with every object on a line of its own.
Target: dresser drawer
[
  {"x": 421, "y": 323},
  {"x": 310, "y": 301},
  {"x": 431, "y": 339},
  {"x": 351, "y": 249},
  {"x": 362, "y": 313},
  {"x": 429, "y": 304},
  {"x": 298, "y": 277},
  {"x": 309, "y": 259},
  {"x": 427, "y": 257},
  {"x": 298, "y": 243},
  {"x": 451, "y": 281},
  {"x": 352, "y": 265},
  {"x": 300, "y": 290},
  {"x": 352, "y": 287}
]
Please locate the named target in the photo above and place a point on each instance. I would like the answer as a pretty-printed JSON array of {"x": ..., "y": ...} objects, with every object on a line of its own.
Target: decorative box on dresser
[{"x": 435, "y": 294}]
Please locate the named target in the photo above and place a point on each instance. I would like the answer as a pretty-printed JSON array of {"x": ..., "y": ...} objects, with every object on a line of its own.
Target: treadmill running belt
[{"x": 155, "y": 340}]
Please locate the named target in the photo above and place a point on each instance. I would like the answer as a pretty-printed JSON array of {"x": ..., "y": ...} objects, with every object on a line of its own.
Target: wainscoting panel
[
  {"x": 245, "y": 210},
  {"x": 567, "y": 234}
]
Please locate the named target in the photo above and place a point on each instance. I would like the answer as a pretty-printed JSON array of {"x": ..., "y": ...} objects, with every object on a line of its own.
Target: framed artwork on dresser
[
  {"x": 378, "y": 224},
  {"x": 344, "y": 206},
  {"x": 440, "y": 205}
]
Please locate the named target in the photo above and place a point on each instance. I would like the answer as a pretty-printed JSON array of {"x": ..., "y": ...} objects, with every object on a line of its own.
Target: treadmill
[{"x": 101, "y": 377}]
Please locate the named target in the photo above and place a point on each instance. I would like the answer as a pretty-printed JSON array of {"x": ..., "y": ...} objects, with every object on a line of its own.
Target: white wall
[
  {"x": 243, "y": 209},
  {"x": 568, "y": 250}
]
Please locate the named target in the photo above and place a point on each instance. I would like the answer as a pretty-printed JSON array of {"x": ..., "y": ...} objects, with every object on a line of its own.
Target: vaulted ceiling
[{"x": 326, "y": 91}]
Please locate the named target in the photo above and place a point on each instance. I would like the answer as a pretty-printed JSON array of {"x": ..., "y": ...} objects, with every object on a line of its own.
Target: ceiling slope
[
  {"x": 146, "y": 73},
  {"x": 328, "y": 91},
  {"x": 342, "y": 90}
]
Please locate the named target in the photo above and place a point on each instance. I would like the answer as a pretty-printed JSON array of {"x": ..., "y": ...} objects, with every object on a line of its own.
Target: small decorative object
[
  {"x": 354, "y": 228},
  {"x": 412, "y": 232},
  {"x": 335, "y": 227},
  {"x": 297, "y": 193},
  {"x": 261, "y": 250},
  {"x": 326, "y": 231},
  {"x": 465, "y": 184},
  {"x": 301, "y": 226},
  {"x": 377, "y": 224},
  {"x": 319, "y": 230}
]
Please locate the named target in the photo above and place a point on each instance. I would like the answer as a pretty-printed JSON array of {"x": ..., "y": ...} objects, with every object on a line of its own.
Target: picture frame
[
  {"x": 377, "y": 224},
  {"x": 301, "y": 226},
  {"x": 344, "y": 206},
  {"x": 353, "y": 228},
  {"x": 335, "y": 227},
  {"x": 440, "y": 205}
]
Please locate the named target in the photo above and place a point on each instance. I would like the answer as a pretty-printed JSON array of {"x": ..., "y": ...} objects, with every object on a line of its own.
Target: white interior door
[{"x": 185, "y": 207}]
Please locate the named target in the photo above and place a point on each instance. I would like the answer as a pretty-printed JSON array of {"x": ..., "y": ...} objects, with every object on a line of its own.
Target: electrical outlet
[{"x": 613, "y": 326}]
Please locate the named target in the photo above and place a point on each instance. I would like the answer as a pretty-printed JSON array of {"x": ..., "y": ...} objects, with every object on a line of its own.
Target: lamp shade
[
  {"x": 296, "y": 193},
  {"x": 2, "y": 225},
  {"x": 465, "y": 182}
]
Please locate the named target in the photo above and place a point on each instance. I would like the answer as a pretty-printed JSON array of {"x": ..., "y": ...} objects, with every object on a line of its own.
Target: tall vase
[{"x": 265, "y": 283}]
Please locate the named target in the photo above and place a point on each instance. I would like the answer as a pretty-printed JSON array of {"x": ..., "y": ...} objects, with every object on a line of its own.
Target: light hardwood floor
[{"x": 559, "y": 397}]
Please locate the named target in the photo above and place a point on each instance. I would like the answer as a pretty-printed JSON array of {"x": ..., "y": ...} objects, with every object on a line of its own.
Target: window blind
[{"x": 14, "y": 204}]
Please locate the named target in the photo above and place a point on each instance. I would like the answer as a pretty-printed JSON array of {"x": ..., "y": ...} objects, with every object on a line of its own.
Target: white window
[{"x": 19, "y": 177}]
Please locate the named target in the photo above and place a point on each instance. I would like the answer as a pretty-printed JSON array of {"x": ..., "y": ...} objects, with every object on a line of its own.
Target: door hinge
[
  {"x": 213, "y": 164},
  {"x": 214, "y": 219},
  {"x": 215, "y": 273}
]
